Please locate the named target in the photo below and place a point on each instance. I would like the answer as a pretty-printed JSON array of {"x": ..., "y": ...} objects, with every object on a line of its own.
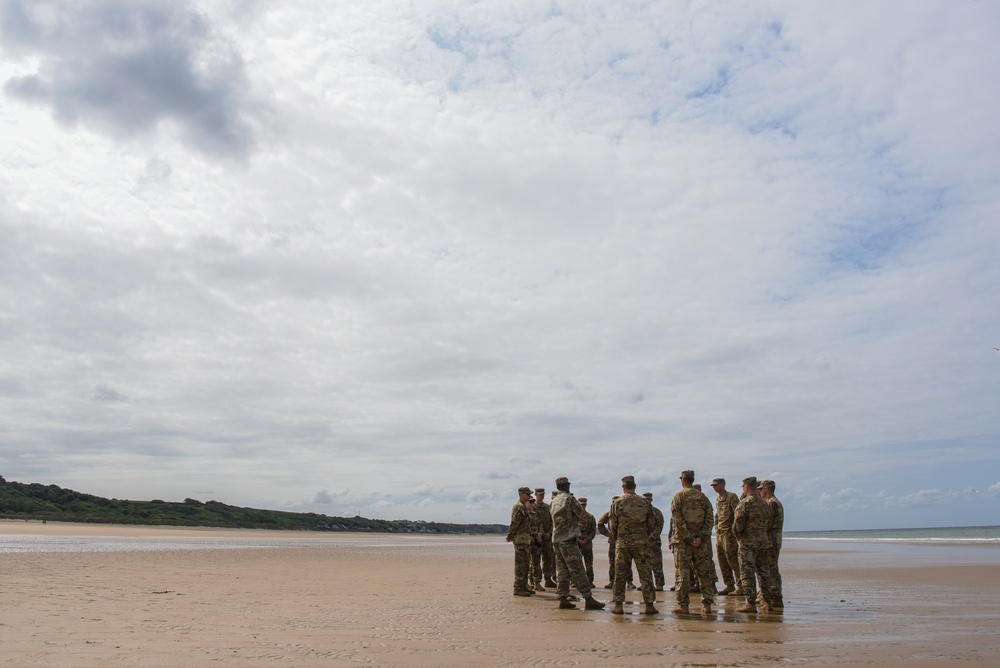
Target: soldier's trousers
[
  {"x": 624, "y": 556},
  {"x": 753, "y": 566},
  {"x": 588, "y": 560},
  {"x": 548, "y": 560},
  {"x": 728, "y": 549},
  {"x": 611, "y": 562},
  {"x": 656, "y": 563},
  {"x": 569, "y": 567},
  {"x": 536, "y": 563},
  {"x": 694, "y": 562},
  {"x": 772, "y": 563},
  {"x": 522, "y": 562}
]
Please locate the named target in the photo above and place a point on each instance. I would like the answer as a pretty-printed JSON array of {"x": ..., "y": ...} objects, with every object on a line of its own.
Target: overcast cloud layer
[{"x": 400, "y": 260}]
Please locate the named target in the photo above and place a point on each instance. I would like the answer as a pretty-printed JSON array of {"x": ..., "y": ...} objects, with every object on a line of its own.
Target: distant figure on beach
[
  {"x": 520, "y": 533},
  {"x": 726, "y": 545},
  {"x": 774, "y": 541},
  {"x": 566, "y": 515},
  {"x": 588, "y": 531},
  {"x": 542, "y": 558},
  {"x": 691, "y": 512},
  {"x": 751, "y": 522},
  {"x": 631, "y": 521},
  {"x": 656, "y": 544}
]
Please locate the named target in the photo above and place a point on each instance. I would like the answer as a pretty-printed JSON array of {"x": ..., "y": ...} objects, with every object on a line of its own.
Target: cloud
[
  {"x": 924, "y": 497},
  {"x": 126, "y": 67},
  {"x": 848, "y": 499},
  {"x": 325, "y": 497}
]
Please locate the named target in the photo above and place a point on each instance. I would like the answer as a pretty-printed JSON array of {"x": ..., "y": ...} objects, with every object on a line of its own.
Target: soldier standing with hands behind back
[
  {"x": 631, "y": 522},
  {"x": 691, "y": 512}
]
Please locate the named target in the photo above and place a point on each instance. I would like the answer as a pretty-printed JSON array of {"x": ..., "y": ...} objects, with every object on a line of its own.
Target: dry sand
[{"x": 375, "y": 600}]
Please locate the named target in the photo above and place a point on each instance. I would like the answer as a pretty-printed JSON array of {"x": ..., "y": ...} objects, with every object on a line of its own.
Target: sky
[{"x": 397, "y": 259}]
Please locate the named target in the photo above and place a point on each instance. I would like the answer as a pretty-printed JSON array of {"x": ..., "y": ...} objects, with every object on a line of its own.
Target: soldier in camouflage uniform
[
  {"x": 521, "y": 536},
  {"x": 588, "y": 530},
  {"x": 566, "y": 515},
  {"x": 774, "y": 541},
  {"x": 631, "y": 522},
  {"x": 544, "y": 559},
  {"x": 602, "y": 527},
  {"x": 656, "y": 544},
  {"x": 691, "y": 512},
  {"x": 726, "y": 545},
  {"x": 751, "y": 521}
]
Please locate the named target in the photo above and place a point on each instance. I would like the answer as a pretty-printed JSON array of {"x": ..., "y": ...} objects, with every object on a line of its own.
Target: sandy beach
[{"x": 401, "y": 600}]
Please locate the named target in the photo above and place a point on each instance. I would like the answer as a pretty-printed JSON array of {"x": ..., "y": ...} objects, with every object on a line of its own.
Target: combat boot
[
  {"x": 650, "y": 609},
  {"x": 681, "y": 609},
  {"x": 523, "y": 592},
  {"x": 728, "y": 590},
  {"x": 706, "y": 609},
  {"x": 738, "y": 592},
  {"x": 538, "y": 586},
  {"x": 593, "y": 604},
  {"x": 749, "y": 607},
  {"x": 565, "y": 603},
  {"x": 777, "y": 604},
  {"x": 549, "y": 583},
  {"x": 617, "y": 608},
  {"x": 766, "y": 607}
]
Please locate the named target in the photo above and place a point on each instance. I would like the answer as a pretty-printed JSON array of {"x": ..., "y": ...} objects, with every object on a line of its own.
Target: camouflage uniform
[
  {"x": 588, "y": 530},
  {"x": 656, "y": 544},
  {"x": 691, "y": 512},
  {"x": 726, "y": 545},
  {"x": 602, "y": 527},
  {"x": 774, "y": 544},
  {"x": 750, "y": 524},
  {"x": 547, "y": 556},
  {"x": 631, "y": 522},
  {"x": 521, "y": 536},
  {"x": 566, "y": 515},
  {"x": 542, "y": 559}
]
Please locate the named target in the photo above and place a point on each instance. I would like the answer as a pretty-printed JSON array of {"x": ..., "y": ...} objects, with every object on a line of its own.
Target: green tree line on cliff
[{"x": 34, "y": 501}]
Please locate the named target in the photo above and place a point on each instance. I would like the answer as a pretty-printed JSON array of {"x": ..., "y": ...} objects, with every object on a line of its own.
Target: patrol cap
[
  {"x": 767, "y": 483},
  {"x": 648, "y": 495},
  {"x": 628, "y": 480},
  {"x": 524, "y": 490},
  {"x": 751, "y": 481},
  {"x": 718, "y": 481},
  {"x": 562, "y": 481},
  {"x": 539, "y": 490},
  {"x": 582, "y": 500},
  {"x": 687, "y": 474}
]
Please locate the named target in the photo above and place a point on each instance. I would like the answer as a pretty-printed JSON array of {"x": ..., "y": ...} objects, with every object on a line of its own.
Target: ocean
[{"x": 965, "y": 535}]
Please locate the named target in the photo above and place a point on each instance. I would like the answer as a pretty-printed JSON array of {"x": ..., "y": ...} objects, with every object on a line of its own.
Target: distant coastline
[{"x": 51, "y": 503}]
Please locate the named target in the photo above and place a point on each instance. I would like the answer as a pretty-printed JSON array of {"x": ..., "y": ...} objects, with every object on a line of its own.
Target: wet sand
[{"x": 377, "y": 600}]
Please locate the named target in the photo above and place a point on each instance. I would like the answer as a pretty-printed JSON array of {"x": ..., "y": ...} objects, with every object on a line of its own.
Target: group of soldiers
[{"x": 553, "y": 545}]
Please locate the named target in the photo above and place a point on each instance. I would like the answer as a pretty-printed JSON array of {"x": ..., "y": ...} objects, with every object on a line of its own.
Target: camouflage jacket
[
  {"x": 588, "y": 527},
  {"x": 692, "y": 514},
  {"x": 655, "y": 538},
  {"x": 544, "y": 517},
  {"x": 631, "y": 521},
  {"x": 777, "y": 521},
  {"x": 725, "y": 510},
  {"x": 602, "y": 526},
  {"x": 520, "y": 531},
  {"x": 751, "y": 522},
  {"x": 566, "y": 512}
]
